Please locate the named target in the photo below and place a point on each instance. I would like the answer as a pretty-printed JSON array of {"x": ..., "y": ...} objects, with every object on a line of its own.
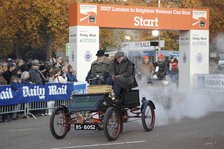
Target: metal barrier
[
  {"x": 26, "y": 109},
  {"x": 49, "y": 105},
  {"x": 12, "y": 108}
]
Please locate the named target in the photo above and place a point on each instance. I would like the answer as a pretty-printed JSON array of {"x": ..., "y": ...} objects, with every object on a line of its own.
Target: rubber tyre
[
  {"x": 112, "y": 117},
  {"x": 64, "y": 119},
  {"x": 148, "y": 109}
]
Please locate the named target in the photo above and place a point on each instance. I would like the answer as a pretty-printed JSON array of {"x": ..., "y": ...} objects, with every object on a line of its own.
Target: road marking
[
  {"x": 22, "y": 130},
  {"x": 95, "y": 145}
]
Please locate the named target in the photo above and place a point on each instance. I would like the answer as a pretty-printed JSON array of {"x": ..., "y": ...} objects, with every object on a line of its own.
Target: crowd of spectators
[
  {"x": 34, "y": 71},
  {"x": 14, "y": 72}
]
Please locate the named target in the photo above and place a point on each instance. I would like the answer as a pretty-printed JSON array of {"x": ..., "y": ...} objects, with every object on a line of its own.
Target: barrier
[
  {"x": 12, "y": 108},
  {"x": 209, "y": 82},
  {"x": 29, "y": 98}
]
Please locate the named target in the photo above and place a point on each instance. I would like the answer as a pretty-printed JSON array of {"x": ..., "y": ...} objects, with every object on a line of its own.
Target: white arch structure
[{"x": 193, "y": 24}]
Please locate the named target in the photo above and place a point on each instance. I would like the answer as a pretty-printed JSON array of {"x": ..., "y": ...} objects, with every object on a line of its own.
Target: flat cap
[
  {"x": 35, "y": 62},
  {"x": 119, "y": 54}
]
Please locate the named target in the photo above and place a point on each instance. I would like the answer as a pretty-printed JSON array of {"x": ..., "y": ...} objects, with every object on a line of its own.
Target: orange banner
[{"x": 136, "y": 17}]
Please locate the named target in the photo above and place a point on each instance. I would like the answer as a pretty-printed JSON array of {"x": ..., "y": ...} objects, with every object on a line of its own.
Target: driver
[
  {"x": 160, "y": 67},
  {"x": 99, "y": 72}
]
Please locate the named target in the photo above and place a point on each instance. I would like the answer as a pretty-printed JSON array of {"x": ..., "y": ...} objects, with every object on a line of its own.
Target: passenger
[
  {"x": 160, "y": 67},
  {"x": 146, "y": 69},
  {"x": 123, "y": 74},
  {"x": 99, "y": 72}
]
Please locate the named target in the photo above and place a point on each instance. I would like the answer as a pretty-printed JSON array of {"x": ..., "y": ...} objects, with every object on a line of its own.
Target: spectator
[
  {"x": 17, "y": 71},
  {"x": 160, "y": 67},
  {"x": 2, "y": 79},
  {"x": 51, "y": 74},
  {"x": 8, "y": 74},
  {"x": 52, "y": 61},
  {"x": 22, "y": 65},
  {"x": 173, "y": 70},
  {"x": 10, "y": 60},
  {"x": 55, "y": 77},
  {"x": 15, "y": 81},
  {"x": 71, "y": 74},
  {"x": 58, "y": 78},
  {"x": 43, "y": 73},
  {"x": 35, "y": 76},
  {"x": 19, "y": 65},
  {"x": 146, "y": 69},
  {"x": 4, "y": 66},
  {"x": 59, "y": 62},
  {"x": 64, "y": 70},
  {"x": 25, "y": 78}
]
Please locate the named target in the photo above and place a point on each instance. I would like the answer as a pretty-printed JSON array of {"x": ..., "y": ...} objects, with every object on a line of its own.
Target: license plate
[{"x": 85, "y": 127}]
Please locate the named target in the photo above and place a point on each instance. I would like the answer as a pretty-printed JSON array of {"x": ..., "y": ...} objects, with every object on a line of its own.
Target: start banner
[
  {"x": 35, "y": 93},
  {"x": 137, "y": 17}
]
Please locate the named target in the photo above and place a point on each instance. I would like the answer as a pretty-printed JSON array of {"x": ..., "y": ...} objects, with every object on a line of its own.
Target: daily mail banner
[
  {"x": 119, "y": 16},
  {"x": 35, "y": 93}
]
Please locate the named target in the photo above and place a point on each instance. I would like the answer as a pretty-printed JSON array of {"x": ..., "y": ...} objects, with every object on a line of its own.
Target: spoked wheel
[
  {"x": 148, "y": 116},
  {"x": 112, "y": 123},
  {"x": 59, "y": 123}
]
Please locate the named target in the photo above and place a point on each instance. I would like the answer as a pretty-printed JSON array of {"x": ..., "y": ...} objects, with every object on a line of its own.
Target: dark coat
[
  {"x": 100, "y": 69},
  {"x": 125, "y": 73},
  {"x": 71, "y": 77},
  {"x": 7, "y": 76},
  {"x": 35, "y": 76},
  {"x": 162, "y": 69}
]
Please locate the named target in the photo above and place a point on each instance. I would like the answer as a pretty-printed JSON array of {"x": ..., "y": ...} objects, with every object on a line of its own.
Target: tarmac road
[{"x": 203, "y": 133}]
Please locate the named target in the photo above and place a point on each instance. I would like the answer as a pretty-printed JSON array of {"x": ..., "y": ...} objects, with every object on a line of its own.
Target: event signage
[
  {"x": 211, "y": 83},
  {"x": 84, "y": 49},
  {"x": 35, "y": 93},
  {"x": 138, "y": 17},
  {"x": 192, "y": 23}
]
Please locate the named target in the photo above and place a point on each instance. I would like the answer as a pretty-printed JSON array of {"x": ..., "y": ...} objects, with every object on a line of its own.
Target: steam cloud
[
  {"x": 219, "y": 42},
  {"x": 189, "y": 104}
]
